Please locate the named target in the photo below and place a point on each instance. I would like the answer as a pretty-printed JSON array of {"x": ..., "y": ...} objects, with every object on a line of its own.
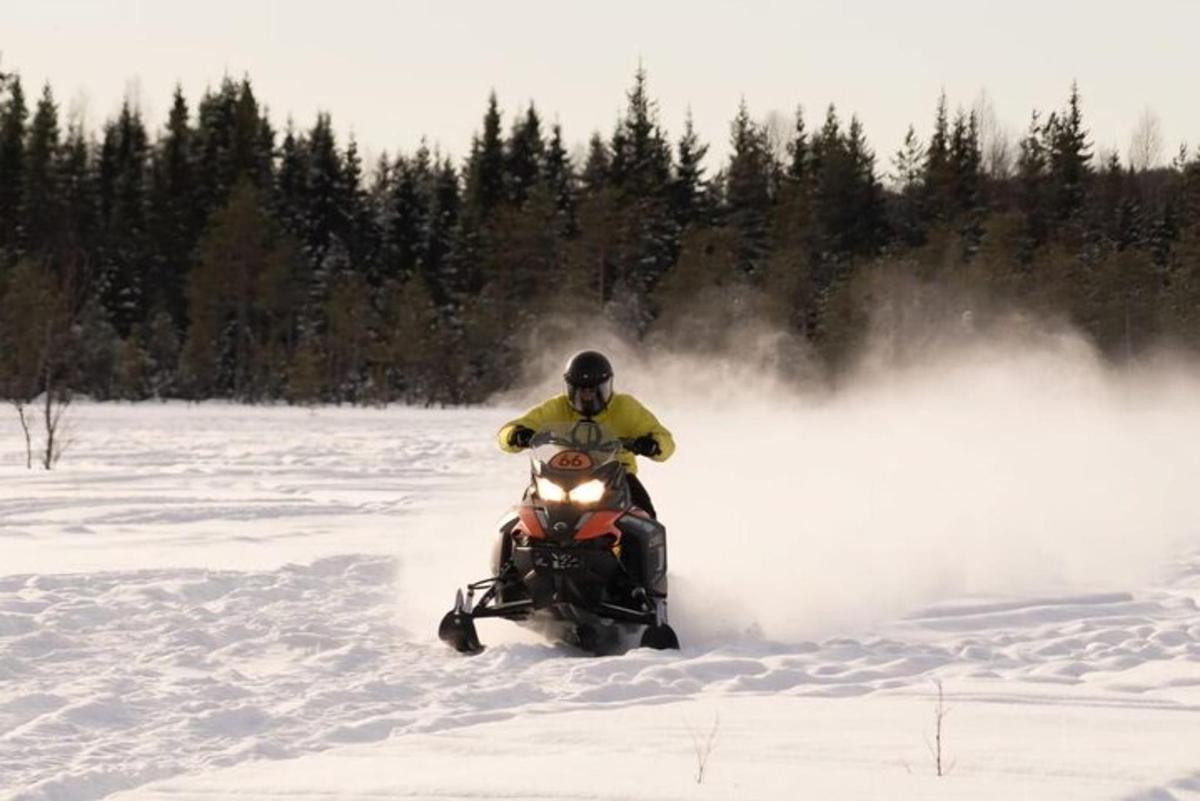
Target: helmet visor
[{"x": 590, "y": 400}]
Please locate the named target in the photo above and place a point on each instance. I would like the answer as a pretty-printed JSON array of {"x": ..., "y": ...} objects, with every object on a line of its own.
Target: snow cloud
[{"x": 964, "y": 455}]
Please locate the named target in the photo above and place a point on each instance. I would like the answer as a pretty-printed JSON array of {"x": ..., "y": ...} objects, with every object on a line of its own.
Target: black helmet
[{"x": 589, "y": 382}]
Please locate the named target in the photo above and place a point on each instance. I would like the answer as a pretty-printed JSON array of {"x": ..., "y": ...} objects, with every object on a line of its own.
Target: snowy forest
[{"x": 219, "y": 257}]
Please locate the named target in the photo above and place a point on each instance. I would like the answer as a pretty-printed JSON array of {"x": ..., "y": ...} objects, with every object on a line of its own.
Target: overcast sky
[{"x": 394, "y": 71}]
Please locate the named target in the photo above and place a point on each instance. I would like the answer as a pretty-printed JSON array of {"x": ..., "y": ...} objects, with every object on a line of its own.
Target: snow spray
[{"x": 948, "y": 463}]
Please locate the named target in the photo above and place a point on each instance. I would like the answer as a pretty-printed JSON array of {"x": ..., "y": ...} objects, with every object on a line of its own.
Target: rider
[{"x": 590, "y": 396}]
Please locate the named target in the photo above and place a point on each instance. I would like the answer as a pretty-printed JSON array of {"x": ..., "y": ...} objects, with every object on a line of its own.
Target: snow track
[
  {"x": 247, "y": 599},
  {"x": 118, "y": 678}
]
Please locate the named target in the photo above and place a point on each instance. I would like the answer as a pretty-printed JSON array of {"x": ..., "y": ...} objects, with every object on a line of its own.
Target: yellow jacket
[{"x": 624, "y": 417}]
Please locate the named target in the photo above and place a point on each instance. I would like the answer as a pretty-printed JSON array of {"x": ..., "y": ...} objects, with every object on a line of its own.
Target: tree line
[{"x": 221, "y": 258}]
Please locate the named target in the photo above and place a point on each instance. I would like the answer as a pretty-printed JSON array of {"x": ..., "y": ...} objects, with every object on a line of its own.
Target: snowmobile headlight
[
  {"x": 549, "y": 491},
  {"x": 589, "y": 491}
]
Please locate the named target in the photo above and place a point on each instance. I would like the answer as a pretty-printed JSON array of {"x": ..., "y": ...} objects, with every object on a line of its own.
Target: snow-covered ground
[{"x": 211, "y": 602}]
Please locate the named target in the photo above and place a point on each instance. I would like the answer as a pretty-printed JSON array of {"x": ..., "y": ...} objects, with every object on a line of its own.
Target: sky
[{"x": 391, "y": 73}]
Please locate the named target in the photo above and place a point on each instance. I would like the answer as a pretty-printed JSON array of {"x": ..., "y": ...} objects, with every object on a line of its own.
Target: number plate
[{"x": 571, "y": 460}]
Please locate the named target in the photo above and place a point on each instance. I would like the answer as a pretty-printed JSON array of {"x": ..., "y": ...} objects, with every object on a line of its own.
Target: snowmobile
[{"x": 575, "y": 559}]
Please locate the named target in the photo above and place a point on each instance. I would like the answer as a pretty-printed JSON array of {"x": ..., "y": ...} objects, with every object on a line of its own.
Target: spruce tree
[
  {"x": 325, "y": 213},
  {"x": 938, "y": 176},
  {"x": 407, "y": 219},
  {"x": 595, "y": 173},
  {"x": 215, "y": 121},
  {"x": 123, "y": 167},
  {"x": 445, "y": 210},
  {"x": 641, "y": 157},
  {"x": 486, "y": 165},
  {"x": 465, "y": 250},
  {"x": 362, "y": 237},
  {"x": 832, "y": 190},
  {"x": 523, "y": 156},
  {"x": 966, "y": 189},
  {"x": 483, "y": 193},
  {"x": 748, "y": 190},
  {"x": 640, "y": 172},
  {"x": 1117, "y": 205},
  {"x": 826, "y": 145},
  {"x": 13, "y": 114},
  {"x": 558, "y": 175},
  {"x": 79, "y": 203},
  {"x": 1032, "y": 191},
  {"x": 867, "y": 203},
  {"x": 41, "y": 204},
  {"x": 799, "y": 155},
  {"x": 690, "y": 193},
  {"x": 253, "y": 141},
  {"x": 291, "y": 182},
  {"x": 1068, "y": 158},
  {"x": 908, "y": 176},
  {"x": 175, "y": 216},
  {"x": 907, "y": 163}
]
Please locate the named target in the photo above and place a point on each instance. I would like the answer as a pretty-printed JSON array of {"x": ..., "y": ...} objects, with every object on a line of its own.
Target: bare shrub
[
  {"x": 703, "y": 747},
  {"x": 36, "y": 327},
  {"x": 937, "y": 746},
  {"x": 1146, "y": 142}
]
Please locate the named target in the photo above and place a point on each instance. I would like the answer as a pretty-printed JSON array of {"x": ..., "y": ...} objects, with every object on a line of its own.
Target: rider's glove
[
  {"x": 520, "y": 436},
  {"x": 645, "y": 445}
]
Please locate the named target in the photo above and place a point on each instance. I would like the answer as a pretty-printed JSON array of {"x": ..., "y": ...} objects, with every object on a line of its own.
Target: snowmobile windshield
[{"x": 583, "y": 437}]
